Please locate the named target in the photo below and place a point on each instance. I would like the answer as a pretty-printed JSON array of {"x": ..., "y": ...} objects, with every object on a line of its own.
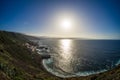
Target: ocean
[{"x": 74, "y": 57}]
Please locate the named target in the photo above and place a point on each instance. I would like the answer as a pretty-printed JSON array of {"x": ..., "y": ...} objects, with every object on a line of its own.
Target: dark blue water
[{"x": 81, "y": 57}]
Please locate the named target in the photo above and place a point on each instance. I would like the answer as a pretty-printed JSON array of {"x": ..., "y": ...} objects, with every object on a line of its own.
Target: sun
[{"x": 66, "y": 23}]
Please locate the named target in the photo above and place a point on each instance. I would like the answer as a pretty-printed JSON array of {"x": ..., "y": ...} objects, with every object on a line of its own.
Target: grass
[{"x": 19, "y": 63}]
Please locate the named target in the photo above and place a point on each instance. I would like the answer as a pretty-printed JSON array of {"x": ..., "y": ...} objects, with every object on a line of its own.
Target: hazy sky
[{"x": 89, "y": 18}]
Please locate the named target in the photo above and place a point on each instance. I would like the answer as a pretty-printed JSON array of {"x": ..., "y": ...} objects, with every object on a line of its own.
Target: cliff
[{"x": 17, "y": 62}]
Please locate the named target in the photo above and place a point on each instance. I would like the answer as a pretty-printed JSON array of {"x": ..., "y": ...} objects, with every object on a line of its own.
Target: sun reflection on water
[
  {"x": 65, "y": 55},
  {"x": 65, "y": 46}
]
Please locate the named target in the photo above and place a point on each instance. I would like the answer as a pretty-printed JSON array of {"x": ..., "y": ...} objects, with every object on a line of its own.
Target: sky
[{"x": 98, "y": 19}]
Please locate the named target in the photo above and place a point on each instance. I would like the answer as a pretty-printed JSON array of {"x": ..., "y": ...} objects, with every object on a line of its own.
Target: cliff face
[
  {"x": 17, "y": 62},
  {"x": 15, "y": 59}
]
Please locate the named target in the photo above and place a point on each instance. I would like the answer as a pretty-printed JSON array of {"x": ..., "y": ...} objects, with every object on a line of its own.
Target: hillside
[{"x": 17, "y": 62}]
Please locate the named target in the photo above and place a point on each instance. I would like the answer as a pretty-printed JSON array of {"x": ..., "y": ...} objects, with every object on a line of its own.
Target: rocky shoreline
[{"x": 17, "y": 62}]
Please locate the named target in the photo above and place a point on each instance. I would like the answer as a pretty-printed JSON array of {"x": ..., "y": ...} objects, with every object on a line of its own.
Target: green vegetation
[
  {"x": 19, "y": 63},
  {"x": 16, "y": 61}
]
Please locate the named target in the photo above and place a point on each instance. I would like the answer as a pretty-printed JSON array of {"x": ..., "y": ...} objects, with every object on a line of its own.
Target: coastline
[
  {"x": 80, "y": 74},
  {"x": 82, "y": 77},
  {"x": 89, "y": 77},
  {"x": 17, "y": 62}
]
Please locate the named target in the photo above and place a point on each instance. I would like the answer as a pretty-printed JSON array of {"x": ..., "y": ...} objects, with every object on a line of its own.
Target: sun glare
[{"x": 66, "y": 23}]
